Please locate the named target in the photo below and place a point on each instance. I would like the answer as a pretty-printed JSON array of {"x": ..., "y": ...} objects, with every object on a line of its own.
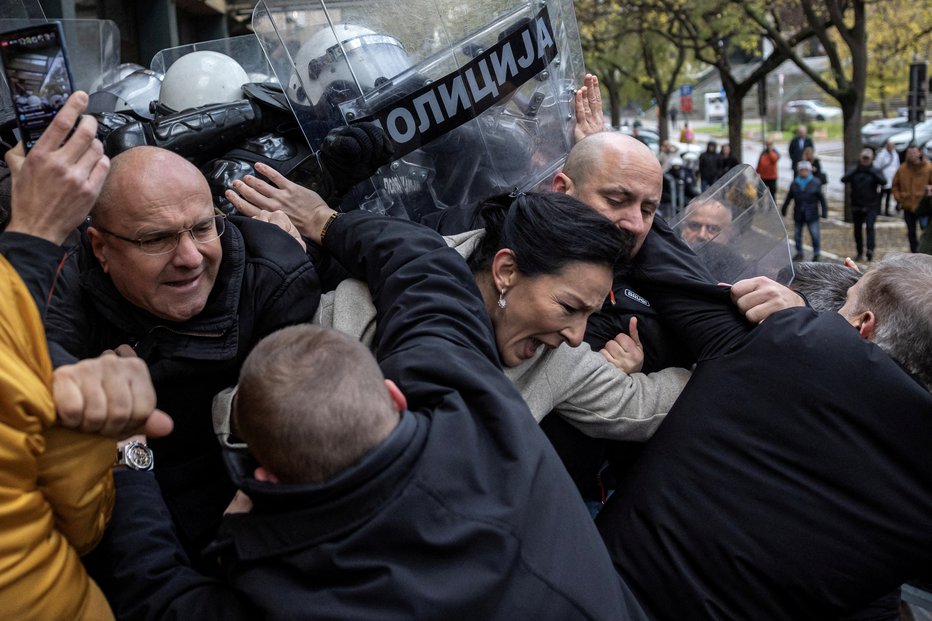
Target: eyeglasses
[{"x": 162, "y": 243}]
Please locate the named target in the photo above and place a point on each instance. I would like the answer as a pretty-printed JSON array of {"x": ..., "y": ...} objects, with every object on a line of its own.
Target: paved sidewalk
[{"x": 838, "y": 236}]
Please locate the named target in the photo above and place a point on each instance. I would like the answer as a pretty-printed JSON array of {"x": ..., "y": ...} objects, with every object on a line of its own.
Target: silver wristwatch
[{"x": 135, "y": 455}]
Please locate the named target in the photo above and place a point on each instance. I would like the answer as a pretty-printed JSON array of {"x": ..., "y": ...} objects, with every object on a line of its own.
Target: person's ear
[
  {"x": 398, "y": 398},
  {"x": 562, "y": 184},
  {"x": 98, "y": 247},
  {"x": 265, "y": 475},
  {"x": 866, "y": 323},
  {"x": 504, "y": 269}
]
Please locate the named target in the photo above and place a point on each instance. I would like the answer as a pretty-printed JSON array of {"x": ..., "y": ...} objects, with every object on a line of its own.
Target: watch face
[{"x": 138, "y": 456}]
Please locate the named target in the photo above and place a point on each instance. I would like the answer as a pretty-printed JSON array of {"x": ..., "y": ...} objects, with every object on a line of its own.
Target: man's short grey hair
[
  {"x": 825, "y": 285},
  {"x": 899, "y": 293}
]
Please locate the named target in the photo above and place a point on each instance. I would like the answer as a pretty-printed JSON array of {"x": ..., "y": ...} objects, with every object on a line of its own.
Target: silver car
[
  {"x": 876, "y": 133},
  {"x": 920, "y": 135}
]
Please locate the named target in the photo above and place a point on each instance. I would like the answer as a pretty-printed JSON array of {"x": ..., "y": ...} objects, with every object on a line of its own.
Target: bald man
[
  {"x": 191, "y": 292},
  {"x": 707, "y": 221},
  {"x": 621, "y": 178}
]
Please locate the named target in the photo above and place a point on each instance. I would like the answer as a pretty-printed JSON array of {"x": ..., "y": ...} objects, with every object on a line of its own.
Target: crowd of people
[
  {"x": 336, "y": 414},
  {"x": 873, "y": 181}
]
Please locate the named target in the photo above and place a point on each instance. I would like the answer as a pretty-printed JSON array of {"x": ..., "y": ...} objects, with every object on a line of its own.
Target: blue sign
[{"x": 686, "y": 90}]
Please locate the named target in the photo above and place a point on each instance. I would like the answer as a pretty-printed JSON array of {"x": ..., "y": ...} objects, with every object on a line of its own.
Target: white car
[
  {"x": 812, "y": 109},
  {"x": 876, "y": 133},
  {"x": 921, "y": 136}
]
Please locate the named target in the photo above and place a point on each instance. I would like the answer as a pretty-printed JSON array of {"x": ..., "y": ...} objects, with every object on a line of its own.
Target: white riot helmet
[
  {"x": 132, "y": 91},
  {"x": 371, "y": 60},
  {"x": 202, "y": 78}
]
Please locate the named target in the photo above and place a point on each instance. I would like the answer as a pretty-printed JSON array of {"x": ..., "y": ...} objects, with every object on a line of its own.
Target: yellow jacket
[{"x": 56, "y": 486}]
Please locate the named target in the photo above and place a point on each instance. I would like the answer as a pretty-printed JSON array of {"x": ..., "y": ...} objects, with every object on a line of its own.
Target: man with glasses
[
  {"x": 191, "y": 292},
  {"x": 708, "y": 221}
]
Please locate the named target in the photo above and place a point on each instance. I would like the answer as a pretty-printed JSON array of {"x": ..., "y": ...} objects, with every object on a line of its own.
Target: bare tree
[{"x": 847, "y": 75}]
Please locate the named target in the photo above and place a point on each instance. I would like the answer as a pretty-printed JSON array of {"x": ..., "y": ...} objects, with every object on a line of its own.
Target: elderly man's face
[
  {"x": 175, "y": 285},
  {"x": 913, "y": 154},
  {"x": 625, "y": 188},
  {"x": 709, "y": 221}
]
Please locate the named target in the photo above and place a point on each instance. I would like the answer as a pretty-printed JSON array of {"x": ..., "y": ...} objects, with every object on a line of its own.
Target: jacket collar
[
  {"x": 211, "y": 335},
  {"x": 287, "y": 518}
]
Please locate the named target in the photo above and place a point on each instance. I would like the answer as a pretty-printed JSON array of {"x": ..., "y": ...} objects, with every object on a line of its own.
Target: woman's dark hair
[{"x": 545, "y": 231}]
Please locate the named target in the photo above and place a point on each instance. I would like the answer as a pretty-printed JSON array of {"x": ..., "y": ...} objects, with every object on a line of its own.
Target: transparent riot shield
[
  {"x": 244, "y": 49},
  {"x": 736, "y": 229},
  {"x": 129, "y": 87},
  {"x": 15, "y": 11},
  {"x": 476, "y": 97},
  {"x": 93, "y": 48},
  {"x": 22, "y": 9}
]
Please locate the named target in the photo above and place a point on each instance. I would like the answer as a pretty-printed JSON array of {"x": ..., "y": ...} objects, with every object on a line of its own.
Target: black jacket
[
  {"x": 796, "y": 150},
  {"x": 778, "y": 487},
  {"x": 265, "y": 282},
  {"x": 463, "y": 512},
  {"x": 710, "y": 166},
  {"x": 866, "y": 185}
]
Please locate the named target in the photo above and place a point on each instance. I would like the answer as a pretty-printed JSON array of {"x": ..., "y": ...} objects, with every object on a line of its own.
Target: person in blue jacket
[{"x": 805, "y": 192}]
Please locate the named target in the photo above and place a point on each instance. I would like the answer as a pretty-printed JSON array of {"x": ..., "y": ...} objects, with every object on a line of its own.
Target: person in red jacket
[{"x": 767, "y": 167}]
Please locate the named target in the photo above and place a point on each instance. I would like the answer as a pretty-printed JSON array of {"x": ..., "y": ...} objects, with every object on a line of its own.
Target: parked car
[
  {"x": 927, "y": 150},
  {"x": 876, "y": 133},
  {"x": 648, "y": 136},
  {"x": 922, "y": 135},
  {"x": 812, "y": 109}
]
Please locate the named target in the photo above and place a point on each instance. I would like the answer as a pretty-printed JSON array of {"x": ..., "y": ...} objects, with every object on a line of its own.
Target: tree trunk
[
  {"x": 663, "y": 124},
  {"x": 851, "y": 113},
  {"x": 614, "y": 97},
  {"x": 735, "y": 97},
  {"x": 852, "y": 100},
  {"x": 614, "y": 102}
]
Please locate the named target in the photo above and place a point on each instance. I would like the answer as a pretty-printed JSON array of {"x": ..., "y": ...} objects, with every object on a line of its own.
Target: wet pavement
[{"x": 838, "y": 236}]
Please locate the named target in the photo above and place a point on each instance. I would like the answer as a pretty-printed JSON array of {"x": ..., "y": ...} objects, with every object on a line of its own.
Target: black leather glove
[{"x": 352, "y": 154}]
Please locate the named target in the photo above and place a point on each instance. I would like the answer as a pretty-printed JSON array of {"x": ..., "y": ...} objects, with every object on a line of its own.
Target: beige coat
[{"x": 580, "y": 384}]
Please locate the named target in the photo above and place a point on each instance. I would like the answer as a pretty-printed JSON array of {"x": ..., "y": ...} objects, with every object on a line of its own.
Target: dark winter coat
[
  {"x": 265, "y": 282},
  {"x": 800, "y": 497},
  {"x": 710, "y": 166},
  {"x": 807, "y": 201},
  {"x": 463, "y": 512},
  {"x": 866, "y": 185}
]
